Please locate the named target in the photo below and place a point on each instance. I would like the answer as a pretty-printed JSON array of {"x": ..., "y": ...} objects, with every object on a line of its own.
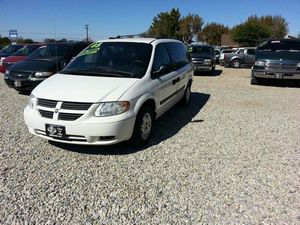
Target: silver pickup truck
[{"x": 242, "y": 57}]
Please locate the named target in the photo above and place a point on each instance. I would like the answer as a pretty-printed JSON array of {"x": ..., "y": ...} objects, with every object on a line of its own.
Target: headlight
[
  {"x": 298, "y": 65},
  {"x": 32, "y": 101},
  {"x": 260, "y": 63},
  {"x": 112, "y": 108},
  {"x": 6, "y": 74},
  {"x": 207, "y": 61},
  {"x": 1, "y": 60},
  {"x": 42, "y": 74}
]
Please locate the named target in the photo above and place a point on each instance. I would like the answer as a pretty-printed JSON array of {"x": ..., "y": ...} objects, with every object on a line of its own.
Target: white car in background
[{"x": 111, "y": 92}]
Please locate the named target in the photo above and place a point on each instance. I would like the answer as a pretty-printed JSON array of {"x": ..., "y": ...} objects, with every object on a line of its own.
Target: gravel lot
[{"x": 232, "y": 157}]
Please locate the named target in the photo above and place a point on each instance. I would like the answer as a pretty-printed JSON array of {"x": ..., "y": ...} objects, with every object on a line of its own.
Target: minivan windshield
[
  {"x": 112, "y": 59},
  {"x": 280, "y": 46},
  {"x": 51, "y": 52}
]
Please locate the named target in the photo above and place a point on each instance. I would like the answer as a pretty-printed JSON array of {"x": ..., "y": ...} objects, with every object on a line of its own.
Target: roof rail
[{"x": 141, "y": 36}]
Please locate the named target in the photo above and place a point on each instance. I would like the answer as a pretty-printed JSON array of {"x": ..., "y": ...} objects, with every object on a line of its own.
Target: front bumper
[
  {"x": 280, "y": 74},
  {"x": 22, "y": 84},
  {"x": 2, "y": 69},
  {"x": 202, "y": 67},
  {"x": 88, "y": 131}
]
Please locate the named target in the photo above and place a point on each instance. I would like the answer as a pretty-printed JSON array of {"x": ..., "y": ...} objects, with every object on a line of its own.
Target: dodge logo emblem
[{"x": 56, "y": 111}]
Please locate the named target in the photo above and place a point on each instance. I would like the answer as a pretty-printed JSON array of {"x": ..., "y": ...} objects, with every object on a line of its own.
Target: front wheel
[
  {"x": 236, "y": 63},
  {"x": 143, "y": 126},
  {"x": 254, "y": 81}
]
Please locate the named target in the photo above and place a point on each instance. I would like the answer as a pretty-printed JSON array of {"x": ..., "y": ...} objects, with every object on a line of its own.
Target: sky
[{"x": 40, "y": 19}]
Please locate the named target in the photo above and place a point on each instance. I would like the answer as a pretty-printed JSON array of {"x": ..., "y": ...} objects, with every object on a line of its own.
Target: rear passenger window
[
  {"x": 161, "y": 57},
  {"x": 179, "y": 54},
  {"x": 251, "y": 51}
]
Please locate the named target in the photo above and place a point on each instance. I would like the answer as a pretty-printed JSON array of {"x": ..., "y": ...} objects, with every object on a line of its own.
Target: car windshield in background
[
  {"x": 201, "y": 50},
  {"x": 112, "y": 59},
  {"x": 52, "y": 52},
  {"x": 10, "y": 48},
  {"x": 278, "y": 46},
  {"x": 26, "y": 50}
]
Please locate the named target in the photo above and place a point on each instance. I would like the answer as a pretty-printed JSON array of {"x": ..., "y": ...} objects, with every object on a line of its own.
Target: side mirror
[{"x": 163, "y": 69}]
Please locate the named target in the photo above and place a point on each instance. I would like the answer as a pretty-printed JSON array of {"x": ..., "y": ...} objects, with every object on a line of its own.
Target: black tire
[
  {"x": 143, "y": 126},
  {"x": 254, "y": 81},
  {"x": 236, "y": 63},
  {"x": 187, "y": 96},
  {"x": 213, "y": 70}
]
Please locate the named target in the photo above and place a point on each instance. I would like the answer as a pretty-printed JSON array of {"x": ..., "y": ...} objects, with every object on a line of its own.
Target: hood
[
  {"x": 75, "y": 88},
  {"x": 14, "y": 58},
  {"x": 290, "y": 56},
  {"x": 35, "y": 65},
  {"x": 4, "y": 54},
  {"x": 202, "y": 55}
]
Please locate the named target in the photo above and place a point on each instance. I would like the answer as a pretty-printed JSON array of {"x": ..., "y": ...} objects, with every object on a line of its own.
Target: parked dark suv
[
  {"x": 42, "y": 63},
  {"x": 203, "y": 57},
  {"x": 277, "y": 59}
]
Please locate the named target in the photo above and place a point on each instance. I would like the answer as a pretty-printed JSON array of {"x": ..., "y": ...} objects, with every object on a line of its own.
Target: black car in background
[
  {"x": 203, "y": 57},
  {"x": 42, "y": 63},
  {"x": 277, "y": 59}
]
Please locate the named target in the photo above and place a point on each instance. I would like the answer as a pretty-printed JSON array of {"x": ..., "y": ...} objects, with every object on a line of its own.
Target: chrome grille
[
  {"x": 75, "y": 105},
  {"x": 281, "y": 65},
  {"x": 20, "y": 75},
  {"x": 46, "y": 114},
  {"x": 47, "y": 103},
  {"x": 69, "y": 116},
  {"x": 68, "y": 111}
]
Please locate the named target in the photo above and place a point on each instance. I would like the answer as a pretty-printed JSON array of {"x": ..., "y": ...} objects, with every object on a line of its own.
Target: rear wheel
[
  {"x": 143, "y": 126},
  {"x": 236, "y": 63}
]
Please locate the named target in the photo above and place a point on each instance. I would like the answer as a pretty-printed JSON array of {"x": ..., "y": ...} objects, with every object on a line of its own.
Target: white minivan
[{"x": 111, "y": 92}]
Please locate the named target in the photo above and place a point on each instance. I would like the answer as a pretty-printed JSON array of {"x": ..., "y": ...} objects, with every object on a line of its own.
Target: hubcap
[
  {"x": 236, "y": 64},
  {"x": 146, "y": 126}
]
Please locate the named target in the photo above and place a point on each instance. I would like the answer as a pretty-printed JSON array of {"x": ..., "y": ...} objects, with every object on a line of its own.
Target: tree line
[{"x": 193, "y": 28}]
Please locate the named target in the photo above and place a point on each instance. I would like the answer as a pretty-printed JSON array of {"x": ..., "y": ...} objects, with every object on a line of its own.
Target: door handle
[{"x": 175, "y": 81}]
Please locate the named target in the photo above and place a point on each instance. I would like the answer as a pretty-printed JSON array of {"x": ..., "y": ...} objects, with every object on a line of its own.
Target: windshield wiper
[
  {"x": 113, "y": 72},
  {"x": 101, "y": 72},
  {"x": 288, "y": 50}
]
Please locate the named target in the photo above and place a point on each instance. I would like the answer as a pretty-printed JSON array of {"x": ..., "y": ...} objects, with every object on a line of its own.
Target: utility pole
[{"x": 86, "y": 27}]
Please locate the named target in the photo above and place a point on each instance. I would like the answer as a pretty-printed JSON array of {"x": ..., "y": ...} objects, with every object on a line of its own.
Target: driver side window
[{"x": 161, "y": 57}]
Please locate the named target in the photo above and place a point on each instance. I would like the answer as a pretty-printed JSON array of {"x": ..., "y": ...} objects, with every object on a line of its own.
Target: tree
[
  {"x": 251, "y": 32},
  {"x": 4, "y": 41},
  {"x": 25, "y": 41},
  {"x": 189, "y": 27},
  {"x": 166, "y": 24},
  {"x": 212, "y": 33},
  {"x": 256, "y": 29},
  {"x": 49, "y": 40},
  {"x": 277, "y": 24}
]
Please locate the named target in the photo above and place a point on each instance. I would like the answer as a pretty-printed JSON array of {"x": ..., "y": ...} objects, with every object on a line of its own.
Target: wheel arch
[{"x": 146, "y": 100}]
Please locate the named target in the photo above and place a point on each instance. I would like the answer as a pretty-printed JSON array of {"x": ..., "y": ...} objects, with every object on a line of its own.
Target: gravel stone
[{"x": 232, "y": 157}]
